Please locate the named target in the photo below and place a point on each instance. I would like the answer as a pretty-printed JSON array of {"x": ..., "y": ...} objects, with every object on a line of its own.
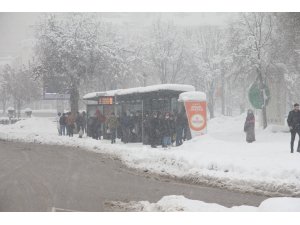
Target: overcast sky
[{"x": 17, "y": 27}]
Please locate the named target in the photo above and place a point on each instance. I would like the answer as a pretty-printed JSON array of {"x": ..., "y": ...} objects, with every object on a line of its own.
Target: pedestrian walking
[
  {"x": 249, "y": 127},
  {"x": 293, "y": 121}
]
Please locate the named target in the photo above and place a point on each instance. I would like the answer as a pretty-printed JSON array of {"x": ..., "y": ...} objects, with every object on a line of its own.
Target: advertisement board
[{"x": 197, "y": 119}]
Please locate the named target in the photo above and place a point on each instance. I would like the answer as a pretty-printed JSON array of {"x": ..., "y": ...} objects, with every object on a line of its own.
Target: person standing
[
  {"x": 62, "y": 122},
  {"x": 249, "y": 127},
  {"x": 179, "y": 123},
  {"x": 112, "y": 123},
  {"x": 154, "y": 126},
  {"x": 166, "y": 131},
  {"x": 125, "y": 128},
  {"x": 293, "y": 121},
  {"x": 70, "y": 124},
  {"x": 57, "y": 123},
  {"x": 146, "y": 129},
  {"x": 84, "y": 122},
  {"x": 173, "y": 128}
]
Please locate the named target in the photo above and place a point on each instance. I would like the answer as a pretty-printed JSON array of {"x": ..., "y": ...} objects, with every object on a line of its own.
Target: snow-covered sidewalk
[
  {"x": 221, "y": 158},
  {"x": 175, "y": 203}
]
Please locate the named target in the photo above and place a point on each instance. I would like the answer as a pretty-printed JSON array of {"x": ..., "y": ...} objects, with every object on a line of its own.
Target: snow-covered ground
[
  {"x": 221, "y": 158},
  {"x": 175, "y": 203}
]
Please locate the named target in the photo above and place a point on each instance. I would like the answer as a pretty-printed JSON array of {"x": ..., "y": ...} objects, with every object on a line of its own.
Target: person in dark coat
[
  {"x": 249, "y": 127},
  {"x": 165, "y": 128},
  {"x": 186, "y": 128},
  {"x": 179, "y": 123},
  {"x": 125, "y": 128},
  {"x": 84, "y": 121},
  {"x": 79, "y": 122},
  {"x": 146, "y": 129},
  {"x": 63, "y": 124},
  {"x": 293, "y": 121},
  {"x": 154, "y": 126},
  {"x": 173, "y": 128},
  {"x": 159, "y": 140},
  {"x": 131, "y": 127}
]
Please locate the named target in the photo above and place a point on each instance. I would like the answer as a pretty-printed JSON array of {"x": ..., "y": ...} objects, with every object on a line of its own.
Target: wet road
[{"x": 43, "y": 178}]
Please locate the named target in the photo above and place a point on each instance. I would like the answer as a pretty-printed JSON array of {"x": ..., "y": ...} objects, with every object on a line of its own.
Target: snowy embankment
[
  {"x": 175, "y": 203},
  {"x": 221, "y": 158}
]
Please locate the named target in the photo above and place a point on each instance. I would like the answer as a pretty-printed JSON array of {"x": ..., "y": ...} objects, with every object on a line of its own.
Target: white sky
[{"x": 17, "y": 27}]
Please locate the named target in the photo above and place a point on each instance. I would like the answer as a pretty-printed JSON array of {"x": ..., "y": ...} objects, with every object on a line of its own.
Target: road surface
[{"x": 37, "y": 177}]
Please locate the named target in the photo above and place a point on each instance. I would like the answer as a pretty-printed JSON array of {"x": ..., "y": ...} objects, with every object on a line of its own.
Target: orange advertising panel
[{"x": 196, "y": 114}]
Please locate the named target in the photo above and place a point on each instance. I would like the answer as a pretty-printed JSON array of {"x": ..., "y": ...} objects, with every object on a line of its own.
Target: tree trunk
[
  {"x": 211, "y": 110},
  {"x": 210, "y": 105},
  {"x": 223, "y": 92},
  {"x": 3, "y": 106},
  {"x": 18, "y": 108},
  {"x": 74, "y": 98},
  {"x": 262, "y": 91}
]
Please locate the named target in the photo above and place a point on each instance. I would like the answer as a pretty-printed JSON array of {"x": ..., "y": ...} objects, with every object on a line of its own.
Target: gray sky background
[{"x": 17, "y": 27}]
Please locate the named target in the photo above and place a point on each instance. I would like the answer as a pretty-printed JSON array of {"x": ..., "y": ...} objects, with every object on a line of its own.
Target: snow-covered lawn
[
  {"x": 220, "y": 158},
  {"x": 175, "y": 203}
]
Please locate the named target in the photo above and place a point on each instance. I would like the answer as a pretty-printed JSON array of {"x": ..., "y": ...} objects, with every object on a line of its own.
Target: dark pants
[
  {"x": 63, "y": 130},
  {"x": 126, "y": 134},
  {"x": 179, "y": 132},
  {"x": 293, "y": 135},
  {"x": 70, "y": 130},
  {"x": 153, "y": 139}
]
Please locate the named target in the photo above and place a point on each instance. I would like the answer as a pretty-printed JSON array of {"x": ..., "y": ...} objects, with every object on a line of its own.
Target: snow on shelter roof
[
  {"x": 172, "y": 87},
  {"x": 192, "y": 96},
  {"x": 93, "y": 95}
]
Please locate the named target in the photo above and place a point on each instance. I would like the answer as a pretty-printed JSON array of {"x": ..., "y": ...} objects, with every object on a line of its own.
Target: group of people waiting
[
  {"x": 166, "y": 129},
  {"x": 156, "y": 128},
  {"x": 68, "y": 123}
]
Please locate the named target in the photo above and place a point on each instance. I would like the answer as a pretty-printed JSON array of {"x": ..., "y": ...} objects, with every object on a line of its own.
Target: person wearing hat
[{"x": 293, "y": 121}]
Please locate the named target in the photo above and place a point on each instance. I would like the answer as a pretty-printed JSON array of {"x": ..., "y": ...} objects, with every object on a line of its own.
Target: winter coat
[
  {"x": 154, "y": 127},
  {"x": 293, "y": 120},
  {"x": 70, "y": 120},
  {"x": 179, "y": 121},
  {"x": 165, "y": 128},
  {"x": 79, "y": 121},
  {"x": 249, "y": 128},
  {"x": 173, "y": 126},
  {"x": 62, "y": 120},
  {"x": 112, "y": 122},
  {"x": 131, "y": 121},
  {"x": 147, "y": 125}
]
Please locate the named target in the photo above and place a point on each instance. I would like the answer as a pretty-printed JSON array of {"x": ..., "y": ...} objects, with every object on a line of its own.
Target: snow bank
[
  {"x": 175, "y": 203},
  {"x": 222, "y": 158}
]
